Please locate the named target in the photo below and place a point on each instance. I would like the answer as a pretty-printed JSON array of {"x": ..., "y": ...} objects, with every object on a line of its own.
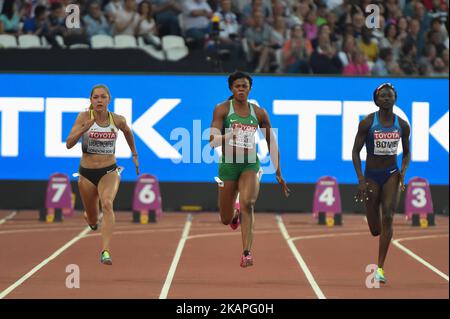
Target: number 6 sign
[{"x": 146, "y": 198}]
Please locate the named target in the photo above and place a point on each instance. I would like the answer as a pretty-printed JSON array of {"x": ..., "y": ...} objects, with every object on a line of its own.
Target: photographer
[{"x": 225, "y": 33}]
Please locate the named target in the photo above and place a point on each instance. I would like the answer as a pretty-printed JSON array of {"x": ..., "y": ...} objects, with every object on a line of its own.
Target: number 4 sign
[
  {"x": 327, "y": 201},
  {"x": 147, "y": 204}
]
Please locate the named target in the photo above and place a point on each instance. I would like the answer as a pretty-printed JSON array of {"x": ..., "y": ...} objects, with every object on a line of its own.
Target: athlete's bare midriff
[
  {"x": 380, "y": 161},
  {"x": 97, "y": 161}
]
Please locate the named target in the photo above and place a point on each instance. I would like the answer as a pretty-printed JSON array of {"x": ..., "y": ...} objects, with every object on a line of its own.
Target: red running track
[{"x": 187, "y": 256}]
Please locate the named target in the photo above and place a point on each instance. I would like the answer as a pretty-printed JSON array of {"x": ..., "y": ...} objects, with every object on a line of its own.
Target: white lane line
[
  {"x": 230, "y": 234},
  {"x": 4, "y": 220},
  {"x": 327, "y": 235},
  {"x": 176, "y": 258},
  {"x": 8, "y": 290},
  {"x": 396, "y": 242},
  {"x": 299, "y": 258}
]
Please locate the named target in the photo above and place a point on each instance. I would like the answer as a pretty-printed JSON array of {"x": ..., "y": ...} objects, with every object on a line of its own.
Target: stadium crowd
[{"x": 394, "y": 37}]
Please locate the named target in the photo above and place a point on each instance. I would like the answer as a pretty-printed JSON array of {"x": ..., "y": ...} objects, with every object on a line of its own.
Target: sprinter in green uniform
[{"x": 233, "y": 127}]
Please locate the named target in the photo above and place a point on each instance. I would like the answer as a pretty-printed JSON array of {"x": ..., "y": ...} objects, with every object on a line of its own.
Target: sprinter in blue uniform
[{"x": 382, "y": 181}]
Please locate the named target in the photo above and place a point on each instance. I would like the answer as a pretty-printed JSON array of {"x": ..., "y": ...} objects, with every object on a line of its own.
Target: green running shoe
[
  {"x": 105, "y": 258},
  {"x": 379, "y": 276}
]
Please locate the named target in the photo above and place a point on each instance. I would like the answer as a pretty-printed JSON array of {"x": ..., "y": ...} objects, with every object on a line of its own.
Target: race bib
[
  {"x": 386, "y": 143},
  {"x": 245, "y": 136},
  {"x": 101, "y": 142}
]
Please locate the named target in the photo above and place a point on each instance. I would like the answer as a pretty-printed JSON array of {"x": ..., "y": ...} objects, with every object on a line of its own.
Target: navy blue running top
[{"x": 383, "y": 140}]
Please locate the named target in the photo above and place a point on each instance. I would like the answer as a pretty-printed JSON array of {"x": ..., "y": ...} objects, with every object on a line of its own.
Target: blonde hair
[{"x": 99, "y": 86}]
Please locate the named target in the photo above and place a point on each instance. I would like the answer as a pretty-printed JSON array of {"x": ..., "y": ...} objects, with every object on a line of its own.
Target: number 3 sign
[{"x": 418, "y": 197}]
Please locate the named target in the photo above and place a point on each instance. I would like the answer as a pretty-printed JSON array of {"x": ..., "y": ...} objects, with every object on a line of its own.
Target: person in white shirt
[
  {"x": 146, "y": 27},
  {"x": 127, "y": 19},
  {"x": 112, "y": 8},
  {"x": 196, "y": 17}
]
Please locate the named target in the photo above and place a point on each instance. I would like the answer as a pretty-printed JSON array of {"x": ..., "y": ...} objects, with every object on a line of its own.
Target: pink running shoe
[
  {"x": 246, "y": 261},
  {"x": 236, "y": 221}
]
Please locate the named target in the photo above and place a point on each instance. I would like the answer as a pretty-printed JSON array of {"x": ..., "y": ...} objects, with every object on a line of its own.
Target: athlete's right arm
[
  {"x": 215, "y": 136},
  {"x": 81, "y": 125},
  {"x": 360, "y": 138}
]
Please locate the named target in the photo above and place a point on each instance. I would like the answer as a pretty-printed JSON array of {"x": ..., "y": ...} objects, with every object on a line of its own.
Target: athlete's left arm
[
  {"x": 266, "y": 127},
  {"x": 406, "y": 157},
  {"x": 121, "y": 124}
]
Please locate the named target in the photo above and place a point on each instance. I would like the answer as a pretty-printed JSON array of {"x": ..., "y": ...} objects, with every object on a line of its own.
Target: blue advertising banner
[{"x": 316, "y": 119}]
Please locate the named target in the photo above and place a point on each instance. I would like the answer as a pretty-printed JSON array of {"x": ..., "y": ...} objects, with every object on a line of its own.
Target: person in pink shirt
[{"x": 358, "y": 64}]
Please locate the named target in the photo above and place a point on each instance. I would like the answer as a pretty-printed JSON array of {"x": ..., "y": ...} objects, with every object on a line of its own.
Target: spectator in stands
[
  {"x": 325, "y": 60},
  {"x": 258, "y": 38},
  {"x": 127, "y": 20},
  {"x": 439, "y": 10},
  {"x": 381, "y": 66},
  {"x": 439, "y": 68},
  {"x": 310, "y": 25},
  {"x": 438, "y": 26},
  {"x": 56, "y": 24},
  {"x": 433, "y": 37},
  {"x": 368, "y": 44},
  {"x": 278, "y": 11},
  {"x": 348, "y": 46},
  {"x": 166, "y": 16},
  {"x": 95, "y": 21},
  {"x": 146, "y": 27},
  {"x": 279, "y": 36},
  {"x": 358, "y": 64},
  {"x": 57, "y": 27},
  {"x": 402, "y": 26},
  {"x": 378, "y": 33},
  {"x": 445, "y": 59},
  {"x": 229, "y": 25},
  {"x": 358, "y": 22},
  {"x": 112, "y": 8},
  {"x": 408, "y": 59},
  {"x": 253, "y": 6},
  {"x": 10, "y": 17},
  {"x": 228, "y": 33},
  {"x": 409, "y": 8},
  {"x": 299, "y": 13},
  {"x": 422, "y": 15},
  {"x": 392, "y": 9},
  {"x": 428, "y": 56},
  {"x": 38, "y": 24},
  {"x": 324, "y": 29},
  {"x": 391, "y": 40},
  {"x": 321, "y": 14},
  {"x": 196, "y": 17},
  {"x": 296, "y": 51}
]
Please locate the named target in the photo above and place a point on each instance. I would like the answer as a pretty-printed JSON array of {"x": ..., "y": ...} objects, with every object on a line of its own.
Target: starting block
[
  {"x": 147, "y": 203},
  {"x": 59, "y": 200},
  {"x": 327, "y": 202},
  {"x": 418, "y": 203}
]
